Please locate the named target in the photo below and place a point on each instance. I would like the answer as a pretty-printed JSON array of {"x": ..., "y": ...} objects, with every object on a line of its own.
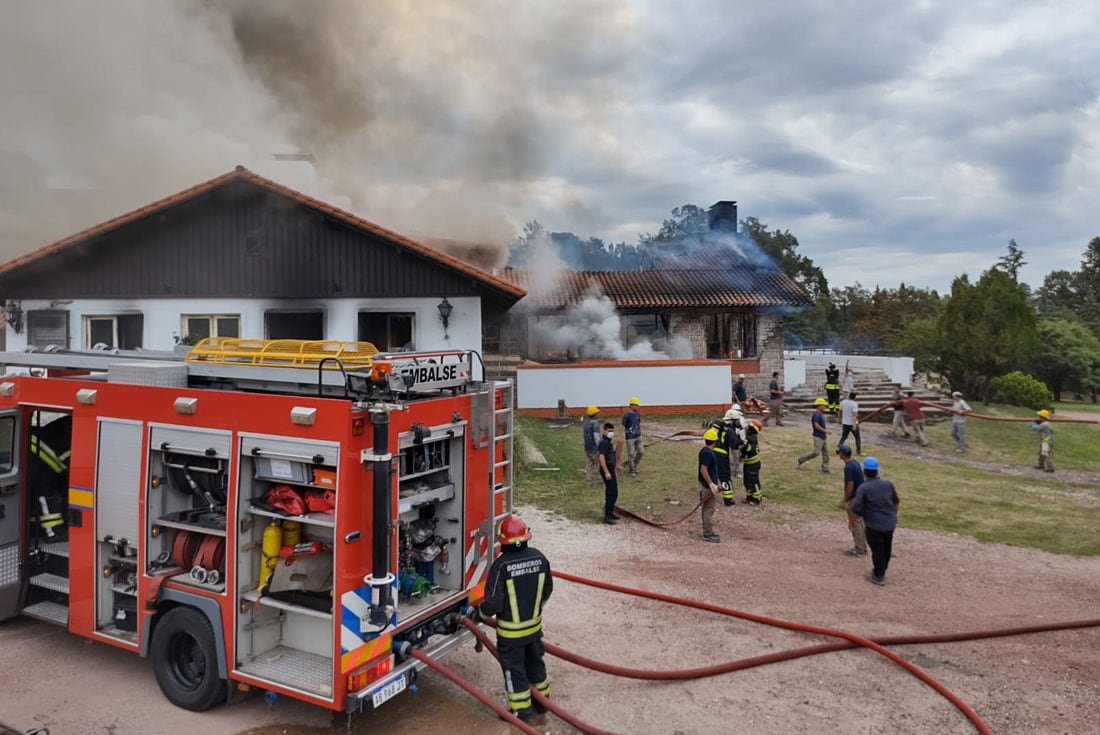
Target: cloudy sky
[{"x": 898, "y": 141}]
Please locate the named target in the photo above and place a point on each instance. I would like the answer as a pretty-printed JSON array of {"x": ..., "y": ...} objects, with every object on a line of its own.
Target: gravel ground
[{"x": 781, "y": 565}]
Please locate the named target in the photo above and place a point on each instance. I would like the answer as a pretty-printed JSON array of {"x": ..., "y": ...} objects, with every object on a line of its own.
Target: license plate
[{"x": 387, "y": 692}]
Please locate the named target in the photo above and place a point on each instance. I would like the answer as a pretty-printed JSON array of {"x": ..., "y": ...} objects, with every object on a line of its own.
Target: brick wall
[
  {"x": 770, "y": 336},
  {"x": 691, "y": 328}
]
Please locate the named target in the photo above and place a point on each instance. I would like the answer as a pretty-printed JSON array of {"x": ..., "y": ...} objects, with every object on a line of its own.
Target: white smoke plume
[{"x": 592, "y": 328}]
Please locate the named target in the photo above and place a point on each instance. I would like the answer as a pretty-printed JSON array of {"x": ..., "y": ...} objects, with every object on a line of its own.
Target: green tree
[
  {"x": 686, "y": 220},
  {"x": 1057, "y": 297},
  {"x": 986, "y": 329},
  {"x": 1013, "y": 261},
  {"x": 1087, "y": 286},
  {"x": 1069, "y": 358}
]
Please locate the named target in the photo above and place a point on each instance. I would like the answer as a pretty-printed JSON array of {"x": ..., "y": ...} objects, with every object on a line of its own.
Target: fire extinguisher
[{"x": 272, "y": 545}]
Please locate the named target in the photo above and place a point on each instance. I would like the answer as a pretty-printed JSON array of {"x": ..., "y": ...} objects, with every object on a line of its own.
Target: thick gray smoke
[{"x": 433, "y": 119}]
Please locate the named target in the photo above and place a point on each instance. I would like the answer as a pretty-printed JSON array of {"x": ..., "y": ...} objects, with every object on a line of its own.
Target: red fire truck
[{"x": 273, "y": 515}]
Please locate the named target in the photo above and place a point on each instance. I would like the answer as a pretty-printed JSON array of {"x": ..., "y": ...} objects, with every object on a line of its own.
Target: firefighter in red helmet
[{"x": 518, "y": 585}]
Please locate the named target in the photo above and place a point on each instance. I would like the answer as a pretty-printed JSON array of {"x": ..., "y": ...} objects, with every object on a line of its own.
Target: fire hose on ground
[{"x": 847, "y": 641}]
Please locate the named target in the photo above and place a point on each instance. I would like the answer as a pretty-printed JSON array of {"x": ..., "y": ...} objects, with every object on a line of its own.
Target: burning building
[{"x": 712, "y": 294}]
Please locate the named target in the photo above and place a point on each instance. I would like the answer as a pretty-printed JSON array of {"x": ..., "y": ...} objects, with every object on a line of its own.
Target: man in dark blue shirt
[
  {"x": 877, "y": 502},
  {"x": 632, "y": 428},
  {"x": 853, "y": 478},
  {"x": 739, "y": 394},
  {"x": 821, "y": 433},
  {"x": 606, "y": 458},
  {"x": 708, "y": 484}
]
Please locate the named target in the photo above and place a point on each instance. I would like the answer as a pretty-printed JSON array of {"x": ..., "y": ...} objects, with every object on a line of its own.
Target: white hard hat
[{"x": 731, "y": 415}]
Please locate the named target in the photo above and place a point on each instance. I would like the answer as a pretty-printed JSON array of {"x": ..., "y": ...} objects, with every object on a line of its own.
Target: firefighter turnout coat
[{"x": 518, "y": 585}]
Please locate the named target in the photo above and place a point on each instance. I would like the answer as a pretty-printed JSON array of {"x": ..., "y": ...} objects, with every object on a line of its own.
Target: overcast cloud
[{"x": 898, "y": 141}]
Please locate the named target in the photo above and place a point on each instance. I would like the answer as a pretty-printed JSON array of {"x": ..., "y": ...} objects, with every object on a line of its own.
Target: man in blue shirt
[
  {"x": 853, "y": 478},
  {"x": 708, "y": 484},
  {"x": 821, "y": 433},
  {"x": 876, "y": 501},
  {"x": 739, "y": 394},
  {"x": 632, "y": 429}
]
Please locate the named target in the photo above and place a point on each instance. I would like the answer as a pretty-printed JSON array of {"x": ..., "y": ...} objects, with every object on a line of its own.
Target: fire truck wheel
[{"x": 185, "y": 660}]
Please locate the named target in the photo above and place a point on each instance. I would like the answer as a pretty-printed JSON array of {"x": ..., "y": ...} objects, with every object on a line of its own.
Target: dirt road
[{"x": 771, "y": 562}]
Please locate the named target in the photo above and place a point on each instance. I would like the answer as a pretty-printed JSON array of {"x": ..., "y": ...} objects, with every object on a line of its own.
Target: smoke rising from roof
[{"x": 432, "y": 119}]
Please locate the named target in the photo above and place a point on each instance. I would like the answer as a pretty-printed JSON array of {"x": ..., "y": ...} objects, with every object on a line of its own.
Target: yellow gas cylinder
[
  {"x": 272, "y": 545},
  {"x": 292, "y": 533}
]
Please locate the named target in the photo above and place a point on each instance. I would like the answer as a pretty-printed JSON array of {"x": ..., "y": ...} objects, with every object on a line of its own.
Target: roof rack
[{"x": 291, "y": 353}]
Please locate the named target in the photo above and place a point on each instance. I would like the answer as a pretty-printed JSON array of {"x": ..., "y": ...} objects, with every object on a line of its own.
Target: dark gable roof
[
  {"x": 744, "y": 287},
  {"x": 506, "y": 288}
]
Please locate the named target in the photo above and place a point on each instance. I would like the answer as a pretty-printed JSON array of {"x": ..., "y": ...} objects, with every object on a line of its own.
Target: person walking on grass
[
  {"x": 897, "y": 425},
  {"x": 915, "y": 416},
  {"x": 849, "y": 421},
  {"x": 591, "y": 444},
  {"x": 820, "y": 432},
  {"x": 606, "y": 458},
  {"x": 708, "y": 485},
  {"x": 960, "y": 409},
  {"x": 1046, "y": 441},
  {"x": 876, "y": 501},
  {"x": 853, "y": 478},
  {"x": 632, "y": 432},
  {"x": 775, "y": 400}
]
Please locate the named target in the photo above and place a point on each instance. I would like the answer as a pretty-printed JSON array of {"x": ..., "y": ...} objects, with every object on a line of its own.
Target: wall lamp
[
  {"x": 445, "y": 309},
  {"x": 13, "y": 312}
]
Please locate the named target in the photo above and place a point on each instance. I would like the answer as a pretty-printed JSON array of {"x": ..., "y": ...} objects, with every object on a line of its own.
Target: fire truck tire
[{"x": 185, "y": 660}]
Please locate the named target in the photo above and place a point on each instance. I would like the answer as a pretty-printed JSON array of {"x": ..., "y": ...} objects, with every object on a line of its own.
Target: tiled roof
[
  {"x": 243, "y": 174},
  {"x": 665, "y": 288}
]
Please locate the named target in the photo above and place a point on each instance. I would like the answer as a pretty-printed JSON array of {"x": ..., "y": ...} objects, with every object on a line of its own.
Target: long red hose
[
  {"x": 793, "y": 653},
  {"x": 544, "y": 701},
  {"x": 969, "y": 713}
]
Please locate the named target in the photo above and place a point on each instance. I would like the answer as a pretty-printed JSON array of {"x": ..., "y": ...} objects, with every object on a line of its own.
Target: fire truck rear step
[
  {"x": 50, "y": 612},
  {"x": 293, "y": 668}
]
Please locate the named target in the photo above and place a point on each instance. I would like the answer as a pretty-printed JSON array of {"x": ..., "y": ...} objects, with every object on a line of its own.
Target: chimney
[{"x": 723, "y": 216}]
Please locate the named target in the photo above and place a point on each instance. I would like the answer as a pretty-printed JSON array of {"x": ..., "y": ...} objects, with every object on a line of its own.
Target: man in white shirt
[
  {"x": 849, "y": 420},
  {"x": 958, "y": 422}
]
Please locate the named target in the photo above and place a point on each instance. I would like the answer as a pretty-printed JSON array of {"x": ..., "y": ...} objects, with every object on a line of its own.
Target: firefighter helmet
[
  {"x": 710, "y": 435},
  {"x": 756, "y": 425},
  {"x": 514, "y": 531},
  {"x": 592, "y": 410}
]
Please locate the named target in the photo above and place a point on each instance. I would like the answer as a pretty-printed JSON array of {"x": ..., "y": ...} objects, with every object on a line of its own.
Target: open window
[
  {"x": 386, "y": 330},
  {"x": 113, "y": 331},
  {"x": 296, "y": 324}
]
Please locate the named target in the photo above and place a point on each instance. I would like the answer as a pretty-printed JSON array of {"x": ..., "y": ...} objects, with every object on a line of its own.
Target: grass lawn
[{"x": 944, "y": 494}]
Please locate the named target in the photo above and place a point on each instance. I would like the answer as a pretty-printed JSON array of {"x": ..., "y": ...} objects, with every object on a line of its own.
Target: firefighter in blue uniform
[
  {"x": 750, "y": 457},
  {"x": 517, "y": 587},
  {"x": 726, "y": 450}
]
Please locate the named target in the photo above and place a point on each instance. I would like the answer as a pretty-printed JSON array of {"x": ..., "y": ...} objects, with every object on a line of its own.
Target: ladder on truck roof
[{"x": 275, "y": 365}]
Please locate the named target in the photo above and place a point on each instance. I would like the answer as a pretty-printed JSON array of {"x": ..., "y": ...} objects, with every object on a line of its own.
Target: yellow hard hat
[
  {"x": 820, "y": 402},
  {"x": 635, "y": 402},
  {"x": 710, "y": 435},
  {"x": 592, "y": 410},
  {"x": 1044, "y": 413}
]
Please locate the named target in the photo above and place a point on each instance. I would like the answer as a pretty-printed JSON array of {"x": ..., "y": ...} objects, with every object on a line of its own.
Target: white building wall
[
  {"x": 679, "y": 383},
  {"x": 898, "y": 369},
  {"x": 161, "y": 321}
]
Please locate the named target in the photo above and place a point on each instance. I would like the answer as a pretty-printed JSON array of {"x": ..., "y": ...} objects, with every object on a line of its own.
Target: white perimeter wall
[
  {"x": 161, "y": 321},
  {"x": 677, "y": 383},
  {"x": 898, "y": 369}
]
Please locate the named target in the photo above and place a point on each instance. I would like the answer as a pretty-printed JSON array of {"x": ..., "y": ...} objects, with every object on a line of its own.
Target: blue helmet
[{"x": 870, "y": 464}]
